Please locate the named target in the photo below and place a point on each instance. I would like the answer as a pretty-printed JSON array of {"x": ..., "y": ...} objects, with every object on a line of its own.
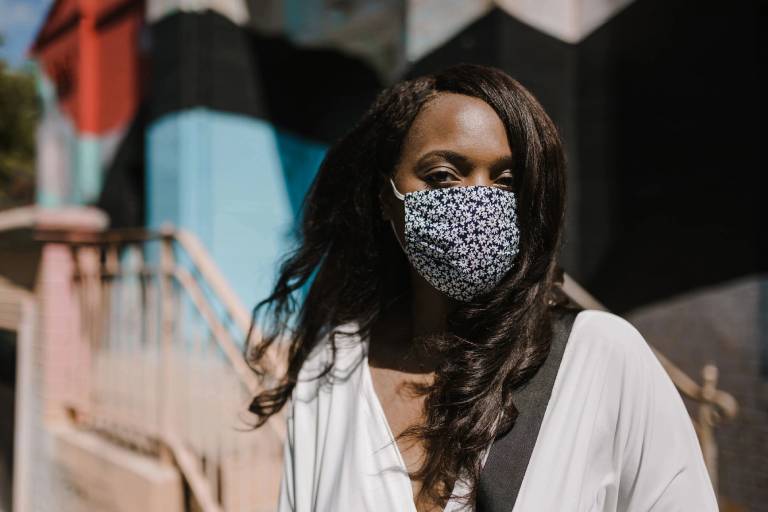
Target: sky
[{"x": 19, "y": 21}]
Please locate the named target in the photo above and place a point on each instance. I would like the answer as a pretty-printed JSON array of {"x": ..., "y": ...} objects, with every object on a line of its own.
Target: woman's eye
[
  {"x": 439, "y": 177},
  {"x": 507, "y": 181}
]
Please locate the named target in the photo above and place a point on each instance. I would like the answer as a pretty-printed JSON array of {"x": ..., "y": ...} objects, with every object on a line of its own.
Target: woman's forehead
[{"x": 458, "y": 122}]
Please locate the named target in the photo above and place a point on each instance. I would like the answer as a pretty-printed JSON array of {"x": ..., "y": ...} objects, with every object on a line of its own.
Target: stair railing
[
  {"x": 166, "y": 374},
  {"x": 162, "y": 324}
]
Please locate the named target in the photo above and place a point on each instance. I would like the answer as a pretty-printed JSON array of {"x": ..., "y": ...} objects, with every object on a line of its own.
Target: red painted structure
[{"x": 91, "y": 51}]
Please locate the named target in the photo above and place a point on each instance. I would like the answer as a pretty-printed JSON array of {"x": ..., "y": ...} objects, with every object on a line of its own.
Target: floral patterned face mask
[{"x": 462, "y": 240}]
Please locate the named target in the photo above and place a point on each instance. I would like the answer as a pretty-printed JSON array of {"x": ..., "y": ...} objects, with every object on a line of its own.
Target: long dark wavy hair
[{"x": 495, "y": 343}]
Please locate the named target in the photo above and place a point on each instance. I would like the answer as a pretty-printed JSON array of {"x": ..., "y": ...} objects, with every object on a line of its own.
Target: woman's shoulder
[
  {"x": 607, "y": 347},
  {"x": 623, "y": 369},
  {"x": 637, "y": 406},
  {"x": 606, "y": 324},
  {"x": 610, "y": 335},
  {"x": 332, "y": 361}
]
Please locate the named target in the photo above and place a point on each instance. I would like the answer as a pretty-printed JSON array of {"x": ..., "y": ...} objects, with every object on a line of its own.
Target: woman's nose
[{"x": 478, "y": 177}]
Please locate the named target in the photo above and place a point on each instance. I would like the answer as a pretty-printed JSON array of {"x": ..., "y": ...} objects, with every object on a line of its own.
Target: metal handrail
[
  {"x": 203, "y": 263},
  {"x": 208, "y": 269}
]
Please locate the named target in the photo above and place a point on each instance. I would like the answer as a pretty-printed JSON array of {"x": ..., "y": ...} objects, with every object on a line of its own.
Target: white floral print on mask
[{"x": 462, "y": 240}]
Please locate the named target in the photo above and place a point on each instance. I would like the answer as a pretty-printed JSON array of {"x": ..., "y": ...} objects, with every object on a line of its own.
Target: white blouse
[{"x": 615, "y": 435}]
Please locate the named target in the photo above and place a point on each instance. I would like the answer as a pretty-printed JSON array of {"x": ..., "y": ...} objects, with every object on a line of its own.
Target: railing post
[
  {"x": 87, "y": 400},
  {"x": 84, "y": 295},
  {"x": 707, "y": 419},
  {"x": 166, "y": 350}
]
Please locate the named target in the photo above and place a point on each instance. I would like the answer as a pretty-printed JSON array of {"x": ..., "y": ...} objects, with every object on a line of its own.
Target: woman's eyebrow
[
  {"x": 505, "y": 162},
  {"x": 462, "y": 161},
  {"x": 457, "y": 159}
]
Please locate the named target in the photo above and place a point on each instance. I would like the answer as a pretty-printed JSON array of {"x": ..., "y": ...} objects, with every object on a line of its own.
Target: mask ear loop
[
  {"x": 391, "y": 221},
  {"x": 397, "y": 192}
]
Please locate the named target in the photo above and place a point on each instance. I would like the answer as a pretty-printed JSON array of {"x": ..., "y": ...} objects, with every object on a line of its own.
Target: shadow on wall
[
  {"x": 726, "y": 325},
  {"x": 661, "y": 110}
]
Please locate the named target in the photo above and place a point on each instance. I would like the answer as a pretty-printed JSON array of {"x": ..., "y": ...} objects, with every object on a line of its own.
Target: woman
[{"x": 431, "y": 233}]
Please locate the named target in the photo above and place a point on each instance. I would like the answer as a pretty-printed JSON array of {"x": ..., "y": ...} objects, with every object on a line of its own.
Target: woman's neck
[
  {"x": 429, "y": 308},
  {"x": 395, "y": 338}
]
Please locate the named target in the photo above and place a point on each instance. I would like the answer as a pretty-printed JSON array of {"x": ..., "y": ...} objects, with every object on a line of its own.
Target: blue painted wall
[{"x": 236, "y": 183}]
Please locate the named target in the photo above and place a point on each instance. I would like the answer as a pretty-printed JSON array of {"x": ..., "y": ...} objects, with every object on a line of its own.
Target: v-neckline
[{"x": 379, "y": 411}]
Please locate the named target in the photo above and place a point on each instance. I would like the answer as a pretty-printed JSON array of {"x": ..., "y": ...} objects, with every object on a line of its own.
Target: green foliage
[{"x": 19, "y": 115}]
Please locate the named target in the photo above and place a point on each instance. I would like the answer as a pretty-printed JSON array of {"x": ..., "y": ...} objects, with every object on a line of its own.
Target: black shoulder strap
[{"x": 508, "y": 457}]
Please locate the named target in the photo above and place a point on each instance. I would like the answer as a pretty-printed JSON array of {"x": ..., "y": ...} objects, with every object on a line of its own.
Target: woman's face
[{"x": 455, "y": 141}]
